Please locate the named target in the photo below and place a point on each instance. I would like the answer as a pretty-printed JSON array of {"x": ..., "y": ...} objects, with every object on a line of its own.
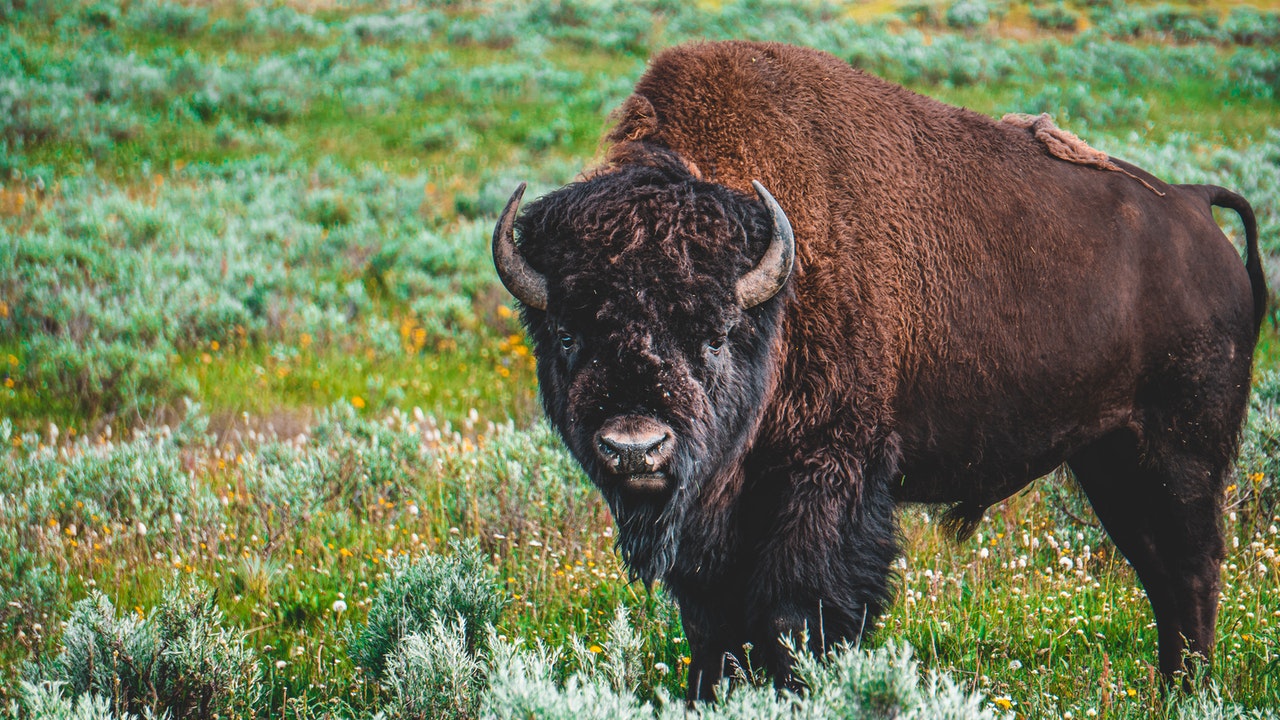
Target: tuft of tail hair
[{"x": 1224, "y": 198}]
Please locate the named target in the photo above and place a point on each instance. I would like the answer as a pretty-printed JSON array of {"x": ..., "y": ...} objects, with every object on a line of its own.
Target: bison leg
[
  {"x": 824, "y": 572},
  {"x": 716, "y": 641},
  {"x": 1166, "y": 522}
]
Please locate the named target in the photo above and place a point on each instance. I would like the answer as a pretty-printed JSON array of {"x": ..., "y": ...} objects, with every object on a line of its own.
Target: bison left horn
[
  {"x": 769, "y": 275},
  {"x": 525, "y": 283}
]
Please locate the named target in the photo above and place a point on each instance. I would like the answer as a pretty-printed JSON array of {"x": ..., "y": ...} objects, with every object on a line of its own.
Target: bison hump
[{"x": 636, "y": 120}]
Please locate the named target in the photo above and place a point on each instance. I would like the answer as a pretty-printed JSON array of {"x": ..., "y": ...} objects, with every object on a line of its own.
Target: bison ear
[
  {"x": 525, "y": 283},
  {"x": 769, "y": 275}
]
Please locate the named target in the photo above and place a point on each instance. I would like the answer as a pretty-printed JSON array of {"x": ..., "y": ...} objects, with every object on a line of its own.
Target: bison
[{"x": 936, "y": 308}]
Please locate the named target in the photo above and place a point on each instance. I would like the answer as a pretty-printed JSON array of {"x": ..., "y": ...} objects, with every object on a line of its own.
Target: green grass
[
  {"x": 1204, "y": 107},
  {"x": 446, "y": 385},
  {"x": 1056, "y": 637}
]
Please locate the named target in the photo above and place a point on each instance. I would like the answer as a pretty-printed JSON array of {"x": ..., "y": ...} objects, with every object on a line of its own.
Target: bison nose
[{"x": 631, "y": 445}]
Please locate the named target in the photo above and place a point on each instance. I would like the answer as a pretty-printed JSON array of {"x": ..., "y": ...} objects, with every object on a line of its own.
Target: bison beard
[
  {"x": 937, "y": 308},
  {"x": 650, "y": 524},
  {"x": 649, "y": 531}
]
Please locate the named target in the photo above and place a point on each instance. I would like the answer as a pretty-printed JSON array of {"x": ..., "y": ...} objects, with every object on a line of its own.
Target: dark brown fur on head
[{"x": 641, "y": 264}]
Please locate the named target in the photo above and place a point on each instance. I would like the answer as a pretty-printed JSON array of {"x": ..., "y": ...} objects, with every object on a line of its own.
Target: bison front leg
[
  {"x": 716, "y": 637},
  {"x": 825, "y": 565}
]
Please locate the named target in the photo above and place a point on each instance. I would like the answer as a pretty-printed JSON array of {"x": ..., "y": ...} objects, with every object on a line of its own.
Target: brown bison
[{"x": 936, "y": 308}]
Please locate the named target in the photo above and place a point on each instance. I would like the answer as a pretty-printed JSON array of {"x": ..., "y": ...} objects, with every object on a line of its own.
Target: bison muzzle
[{"x": 937, "y": 308}]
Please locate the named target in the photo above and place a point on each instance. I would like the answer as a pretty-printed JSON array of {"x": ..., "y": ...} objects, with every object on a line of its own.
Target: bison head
[{"x": 653, "y": 300}]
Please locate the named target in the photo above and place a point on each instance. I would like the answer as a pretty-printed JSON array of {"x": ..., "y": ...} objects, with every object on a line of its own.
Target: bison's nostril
[{"x": 633, "y": 446}]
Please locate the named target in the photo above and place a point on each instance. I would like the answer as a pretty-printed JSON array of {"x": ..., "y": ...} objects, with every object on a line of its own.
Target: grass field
[{"x": 270, "y": 424}]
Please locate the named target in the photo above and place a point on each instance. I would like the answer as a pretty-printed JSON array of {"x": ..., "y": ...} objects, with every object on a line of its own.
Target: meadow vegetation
[{"x": 269, "y": 443}]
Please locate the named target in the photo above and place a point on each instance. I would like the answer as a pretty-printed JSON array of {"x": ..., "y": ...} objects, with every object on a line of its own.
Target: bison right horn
[
  {"x": 769, "y": 275},
  {"x": 525, "y": 283}
]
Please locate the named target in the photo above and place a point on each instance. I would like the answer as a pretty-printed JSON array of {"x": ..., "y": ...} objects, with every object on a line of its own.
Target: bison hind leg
[
  {"x": 961, "y": 520},
  {"x": 1162, "y": 510}
]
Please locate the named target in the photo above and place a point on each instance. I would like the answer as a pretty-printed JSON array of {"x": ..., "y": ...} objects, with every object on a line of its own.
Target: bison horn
[
  {"x": 525, "y": 283},
  {"x": 769, "y": 275}
]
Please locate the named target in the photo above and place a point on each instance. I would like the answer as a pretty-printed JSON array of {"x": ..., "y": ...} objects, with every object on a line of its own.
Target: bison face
[{"x": 653, "y": 301}]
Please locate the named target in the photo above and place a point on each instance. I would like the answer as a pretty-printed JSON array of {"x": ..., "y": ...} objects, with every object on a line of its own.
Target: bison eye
[
  {"x": 566, "y": 341},
  {"x": 716, "y": 345}
]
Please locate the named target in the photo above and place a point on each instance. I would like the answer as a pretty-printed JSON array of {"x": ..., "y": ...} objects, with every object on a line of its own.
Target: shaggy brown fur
[{"x": 967, "y": 312}]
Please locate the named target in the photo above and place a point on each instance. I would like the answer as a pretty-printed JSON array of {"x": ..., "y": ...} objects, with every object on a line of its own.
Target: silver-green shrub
[
  {"x": 282, "y": 20},
  {"x": 434, "y": 674},
  {"x": 882, "y": 683},
  {"x": 179, "y": 659},
  {"x": 1248, "y": 25},
  {"x": 531, "y": 683},
  {"x": 968, "y": 14},
  {"x": 401, "y": 27},
  {"x": 419, "y": 594},
  {"x": 166, "y": 18},
  {"x": 1055, "y": 16},
  {"x": 849, "y": 683},
  {"x": 45, "y": 701},
  {"x": 203, "y": 669},
  {"x": 1076, "y": 105},
  {"x": 1209, "y": 705},
  {"x": 87, "y": 484},
  {"x": 104, "y": 655},
  {"x": 1258, "y": 486},
  {"x": 617, "y": 659},
  {"x": 1159, "y": 22}
]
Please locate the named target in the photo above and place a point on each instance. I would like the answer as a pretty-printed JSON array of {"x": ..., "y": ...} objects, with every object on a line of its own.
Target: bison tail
[{"x": 1224, "y": 198}]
